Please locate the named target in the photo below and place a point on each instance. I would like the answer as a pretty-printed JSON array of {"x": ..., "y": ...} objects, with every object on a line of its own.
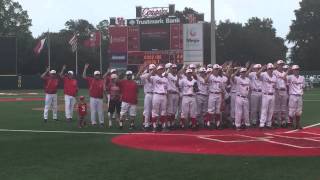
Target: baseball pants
[
  {"x": 96, "y": 106},
  {"x": 232, "y": 104},
  {"x": 172, "y": 104},
  {"x": 70, "y": 101},
  {"x": 295, "y": 105},
  {"x": 242, "y": 111},
  {"x": 202, "y": 105},
  {"x": 189, "y": 107},
  {"x": 127, "y": 108},
  {"x": 281, "y": 107},
  {"x": 214, "y": 103},
  {"x": 159, "y": 105},
  {"x": 51, "y": 101},
  {"x": 147, "y": 109},
  {"x": 255, "y": 106},
  {"x": 267, "y": 109}
]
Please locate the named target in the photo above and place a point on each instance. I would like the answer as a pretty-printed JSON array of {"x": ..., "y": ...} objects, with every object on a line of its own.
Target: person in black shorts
[{"x": 115, "y": 103}]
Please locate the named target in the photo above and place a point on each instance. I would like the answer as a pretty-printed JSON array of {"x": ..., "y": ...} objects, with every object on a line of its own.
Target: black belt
[
  {"x": 242, "y": 96},
  {"x": 173, "y": 92},
  {"x": 188, "y": 95},
  {"x": 149, "y": 93},
  {"x": 215, "y": 92},
  {"x": 295, "y": 95},
  {"x": 202, "y": 94},
  {"x": 257, "y": 90},
  {"x": 162, "y": 94},
  {"x": 282, "y": 89},
  {"x": 269, "y": 94}
]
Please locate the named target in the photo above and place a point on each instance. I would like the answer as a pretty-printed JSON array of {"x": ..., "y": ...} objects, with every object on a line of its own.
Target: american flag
[{"x": 74, "y": 43}]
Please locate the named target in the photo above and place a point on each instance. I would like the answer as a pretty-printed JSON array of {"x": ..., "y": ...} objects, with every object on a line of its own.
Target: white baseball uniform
[
  {"x": 173, "y": 96},
  {"x": 255, "y": 97},
  {"x": 202, "y": 97},
  {"x": 51, "y": 100},
  {"x": 216, "y": 89},
  {"x": 281, "y": 96},
  {"x": 242, "y": 101},
  {"x": 233, "y": 99},
  {"x": 148, "y": 95},
  {"x": 296, "y": 85},
  {"x": 268, "y": 98},
  {"x": 159, "y": 100},
  {"x": 189, "y": 104}
]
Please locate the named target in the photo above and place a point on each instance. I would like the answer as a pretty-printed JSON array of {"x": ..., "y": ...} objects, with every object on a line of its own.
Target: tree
[
  {"x": 255, "y": 41},
  {"x": 305, "y": 35},
  {"x": 13, "y": 19}
]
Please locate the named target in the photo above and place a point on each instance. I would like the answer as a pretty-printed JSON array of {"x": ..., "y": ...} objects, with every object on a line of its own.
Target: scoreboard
[
  {"x": 156, "y": 41},
  {"x": 155, "y": 57}
]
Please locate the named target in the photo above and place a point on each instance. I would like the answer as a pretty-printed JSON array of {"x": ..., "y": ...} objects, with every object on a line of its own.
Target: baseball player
[
  {"x": 173, "y": 95},
  {"x": 268, "y": 97},
  {"x": 216, "y": 97},
  {"x": 113, "y": 90},
  {"x": 159, "y": 101},
  {"x": 296, "y": 84},
  {"x": 189, "y": 89},
  {"x": 242, "y": 102},
  {"x": 96, "y": 92},
  {"x": 233, "y": 90},
  {"x": 281, "y": 96},
  {"x": 202, "y": 95},
  {"x": 256, "y": 94},
  {"x": 129, "y": 97},
  {"x": 51, "y": 87},
  {"x": 70, "y": 85},
  {"x": 148, "y": 95}
]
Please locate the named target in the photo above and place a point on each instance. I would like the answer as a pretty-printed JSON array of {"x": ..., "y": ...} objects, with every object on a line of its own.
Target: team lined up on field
[
  {"x": 202, "y": 95},
  {"x": 215, "y": 96}
]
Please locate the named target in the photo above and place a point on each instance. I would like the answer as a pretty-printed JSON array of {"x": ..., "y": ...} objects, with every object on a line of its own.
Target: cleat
[
  {"x": 56, "y": 120},
  {"x": 154, "y": 130},
  {"x": 45, "y": 120}
]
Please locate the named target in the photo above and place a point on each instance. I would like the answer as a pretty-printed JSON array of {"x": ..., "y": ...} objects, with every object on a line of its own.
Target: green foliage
[
  {"x": 255, "y": 41},
  {"x": 305, "y": 35}
]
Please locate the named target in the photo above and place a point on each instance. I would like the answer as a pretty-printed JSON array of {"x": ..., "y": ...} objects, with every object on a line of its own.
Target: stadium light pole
[{"x": 213, "y": 35}]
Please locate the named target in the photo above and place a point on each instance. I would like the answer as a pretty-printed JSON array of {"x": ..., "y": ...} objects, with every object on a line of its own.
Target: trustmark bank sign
[{"x": 155, "y": 36}]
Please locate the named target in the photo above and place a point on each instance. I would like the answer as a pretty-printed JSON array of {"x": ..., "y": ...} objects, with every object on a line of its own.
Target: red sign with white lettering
[{"x": 118, "y": 39}]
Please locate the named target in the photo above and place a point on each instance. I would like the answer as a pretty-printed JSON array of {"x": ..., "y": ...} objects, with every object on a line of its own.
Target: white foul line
[{"x": 307, "y": 127}]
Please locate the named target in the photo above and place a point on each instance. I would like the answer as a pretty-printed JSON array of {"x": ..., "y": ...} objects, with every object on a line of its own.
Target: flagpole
[
  {"x": 49, "y": 50},
  {"x": 77, "y": 60},
  {"x": 100, "y": 52}
]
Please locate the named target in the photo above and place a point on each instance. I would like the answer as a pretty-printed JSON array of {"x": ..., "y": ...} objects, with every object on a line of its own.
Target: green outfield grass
[{"x": 48, "y": 156}]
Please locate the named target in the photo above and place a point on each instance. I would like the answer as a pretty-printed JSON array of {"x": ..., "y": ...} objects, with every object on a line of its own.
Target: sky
[{"x": 52, "y": 14}]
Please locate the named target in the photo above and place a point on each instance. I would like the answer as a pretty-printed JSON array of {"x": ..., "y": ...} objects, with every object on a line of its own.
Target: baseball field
[{"x": 33, "y": 150}]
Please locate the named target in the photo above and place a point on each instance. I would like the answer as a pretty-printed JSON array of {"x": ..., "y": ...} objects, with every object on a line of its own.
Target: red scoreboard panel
[{"x": 155, "y": 57}]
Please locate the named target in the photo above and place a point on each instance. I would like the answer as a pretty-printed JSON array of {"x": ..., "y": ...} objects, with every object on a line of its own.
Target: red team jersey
[
  {"x": 129, "y": 91},
  {"x": 96, "y": 87},
  {"x": 82, "y": 109},
  {"x": 51, "y": 85},
  {"x": 70, "y": 86}
]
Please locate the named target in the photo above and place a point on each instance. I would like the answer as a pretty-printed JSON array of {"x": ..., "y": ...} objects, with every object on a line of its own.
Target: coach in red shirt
[
  {"x": 129, "y": 98},
  {"x": 51, "y": 82},
  {"x": 70, "y": 85},
  {"x": 96, "y": 91}
]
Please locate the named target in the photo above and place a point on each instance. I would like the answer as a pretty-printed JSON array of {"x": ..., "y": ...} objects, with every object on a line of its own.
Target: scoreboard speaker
[
  {"x": 201, "y": 17},
  {"x": 171, "y": 9},
  {"x": 113, "y": 21},
  {"x": 138, "y": 11}
]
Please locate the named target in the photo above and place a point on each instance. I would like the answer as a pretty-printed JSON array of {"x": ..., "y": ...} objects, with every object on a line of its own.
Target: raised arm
[
  {"x": 260, "y": 71},
  {"x": 62, "y": 70},
  {"x": 45, "y": 73},
  {"x": 235, "y": 73},
  {"x": 84, "y": 74}
]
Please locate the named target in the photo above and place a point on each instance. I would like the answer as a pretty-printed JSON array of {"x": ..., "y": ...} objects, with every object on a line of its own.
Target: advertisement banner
[
  {"x": 118, "y": 39},
  {"x": 193, "y": 37},
  {"x": 193, "y": 57},
  {"x": 118, "y": 60},
  {"x": 176, "y": 36},
  {"x": 133, "y": 38}
]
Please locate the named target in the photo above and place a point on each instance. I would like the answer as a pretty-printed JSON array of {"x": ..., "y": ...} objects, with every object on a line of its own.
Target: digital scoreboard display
[
  {"x": 155, "y": 37},
  {"x": 155, "y": 57}
]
